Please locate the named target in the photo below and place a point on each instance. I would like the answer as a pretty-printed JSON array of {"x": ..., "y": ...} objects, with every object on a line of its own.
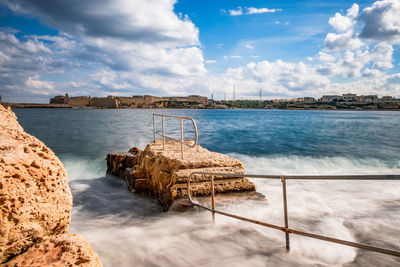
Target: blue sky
[{"x": 166, "y": 47}]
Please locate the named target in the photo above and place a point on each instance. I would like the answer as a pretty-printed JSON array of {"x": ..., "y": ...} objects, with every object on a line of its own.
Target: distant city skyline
[{"x": 280, "y": 49}]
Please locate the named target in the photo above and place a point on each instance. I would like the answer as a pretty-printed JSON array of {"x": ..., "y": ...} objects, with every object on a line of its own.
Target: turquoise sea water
[{"x": 125, "y": 228}]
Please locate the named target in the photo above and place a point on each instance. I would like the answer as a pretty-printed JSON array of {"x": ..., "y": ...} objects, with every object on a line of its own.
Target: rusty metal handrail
[
  {"x": 181, "y": 130},
  {"x": 286, "y": 228}
]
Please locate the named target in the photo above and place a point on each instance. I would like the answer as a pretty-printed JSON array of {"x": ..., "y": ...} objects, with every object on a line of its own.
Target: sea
[{"x": 127, "y": 229}]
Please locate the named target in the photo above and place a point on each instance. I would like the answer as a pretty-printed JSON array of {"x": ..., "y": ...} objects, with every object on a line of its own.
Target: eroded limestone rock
[
  {"x": 35, "y": 199},
  {"x": 35, "y": 203},
  {"x": 163, "y": 174},
  {"x": 61, "y": 250}
]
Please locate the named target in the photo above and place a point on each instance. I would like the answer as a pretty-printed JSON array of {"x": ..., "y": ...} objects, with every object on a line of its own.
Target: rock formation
[
  {"x": 35, "y": 199},
  {"x": 162, "y": 174},
  {"x": 59, "y": 250}
]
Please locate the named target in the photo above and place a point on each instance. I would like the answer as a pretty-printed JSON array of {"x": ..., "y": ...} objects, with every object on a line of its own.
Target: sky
[{"x": 284, "y": 49}]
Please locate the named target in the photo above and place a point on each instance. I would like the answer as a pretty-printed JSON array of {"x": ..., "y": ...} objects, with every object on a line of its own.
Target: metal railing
[
  {"x": 286, "y": 228},
  {"x": 182, "y": 141}
]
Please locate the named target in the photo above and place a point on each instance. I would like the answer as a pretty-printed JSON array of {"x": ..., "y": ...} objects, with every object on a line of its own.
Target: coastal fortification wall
[
  {"x": 60, "y": 99},
  {"x": 198, "y": 99},
  {"x": 146, "y": 101},
  {"x": 79, "y": 101},
  {"x": 104, "y": 102},
  {"x": 130, "y": 101},
  {"x": 162, "y": 174},
  {"x": 35, "y": 202},
  {"x": 149, "y": 99}
]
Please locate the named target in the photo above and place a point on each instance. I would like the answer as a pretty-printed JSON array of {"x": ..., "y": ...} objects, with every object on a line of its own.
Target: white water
[{"x": 129, "y": 230}]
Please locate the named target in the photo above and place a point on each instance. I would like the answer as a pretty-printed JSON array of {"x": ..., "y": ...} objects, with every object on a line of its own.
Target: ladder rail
[
  {"x": 286, "y": 229},
  {"x": 181, "y": 140}
]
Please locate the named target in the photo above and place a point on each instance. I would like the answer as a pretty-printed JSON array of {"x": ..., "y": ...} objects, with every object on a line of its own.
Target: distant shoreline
[{"x": 62, "y": 106}]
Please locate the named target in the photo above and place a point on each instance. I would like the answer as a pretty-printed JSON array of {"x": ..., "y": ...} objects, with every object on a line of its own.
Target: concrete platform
[{"x": 162, "y": 174}]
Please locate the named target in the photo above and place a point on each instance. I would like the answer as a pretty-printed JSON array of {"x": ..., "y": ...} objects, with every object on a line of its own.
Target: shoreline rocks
[
  {"x": 35, "y": 198},
  {"x": 59, "y": 250}
]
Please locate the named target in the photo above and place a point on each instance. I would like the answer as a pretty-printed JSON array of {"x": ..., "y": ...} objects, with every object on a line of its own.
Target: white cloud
[
  {"x": 276, "y": 78},
  {"x": 211, "y": 61},
  {"x": 248, "y": 46},
  {"x": 343, "y": 23},
  {"x": 130, "y": 41},
  {"x": 381, "y": 21},
  {"x": 233, "y": 56},
  {"x": 35, "y": 84},
  {"x": 381, "y": 55},
  {"x": 253, "y": 10},
  {"x": 325, "y": 57},
  {"x": 371, "y": 73},
  {"x": 341, "y": 41},
  {"x": 236, "y": 12}
]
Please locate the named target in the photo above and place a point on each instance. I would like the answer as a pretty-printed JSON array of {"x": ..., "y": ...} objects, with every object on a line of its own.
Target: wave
[
  {"x": 351, "y": 210},
  {"x": 303, "y": 165},
  {"x": 84, "y": 168}
]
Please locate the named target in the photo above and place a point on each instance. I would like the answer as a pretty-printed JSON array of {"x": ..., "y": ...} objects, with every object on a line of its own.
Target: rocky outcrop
[
  {"x": 35, "y": 199},
  {"x": 60, "y": 250},
  {"x": 163, "y": 174}
]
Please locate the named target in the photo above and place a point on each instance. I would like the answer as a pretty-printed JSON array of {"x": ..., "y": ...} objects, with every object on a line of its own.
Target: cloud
[
  {"x": 343, "y": 23},
  {"x": 128, "y": 41},
  {"x": 236, "y": 12},
  {"x": 325, "y": 57},
  {"x": 211, "y": 61},
  {"x": 347, "y": 40},
  {"x": 276, "y": 78},
  {"x": 248, "y": 46},
  {"x": 253, "y": 10},
  {"x": 381, "y": 21},
  {"x": 139, "y": 20},
  {"x": 233, "y": 56},
  {"x": 381, "y": 55},
  {"x": 375, "y": 23}
]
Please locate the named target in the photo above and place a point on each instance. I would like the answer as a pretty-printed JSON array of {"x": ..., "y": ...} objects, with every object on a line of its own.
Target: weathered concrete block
[{"x": 163, "y": 174}]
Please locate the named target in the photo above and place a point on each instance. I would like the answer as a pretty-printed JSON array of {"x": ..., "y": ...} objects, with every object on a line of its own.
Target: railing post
[
  {"x": 181, "y": 137},
  {"x": 154, "y": 127},
  {"x": 283, "y": 179},
  {"x": 163, "y": 132},
  {"x": 213, "y": 197}
]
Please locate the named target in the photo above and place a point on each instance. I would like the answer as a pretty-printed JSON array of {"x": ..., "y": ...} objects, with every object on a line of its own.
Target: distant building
[
  {"x": 308, "y": 99},
  {"x": 387, "y": 99},
  {"x": 330, "y": 98},
  {"x": 367, "y": 99},
  {"x": 349, "y": 97}
]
